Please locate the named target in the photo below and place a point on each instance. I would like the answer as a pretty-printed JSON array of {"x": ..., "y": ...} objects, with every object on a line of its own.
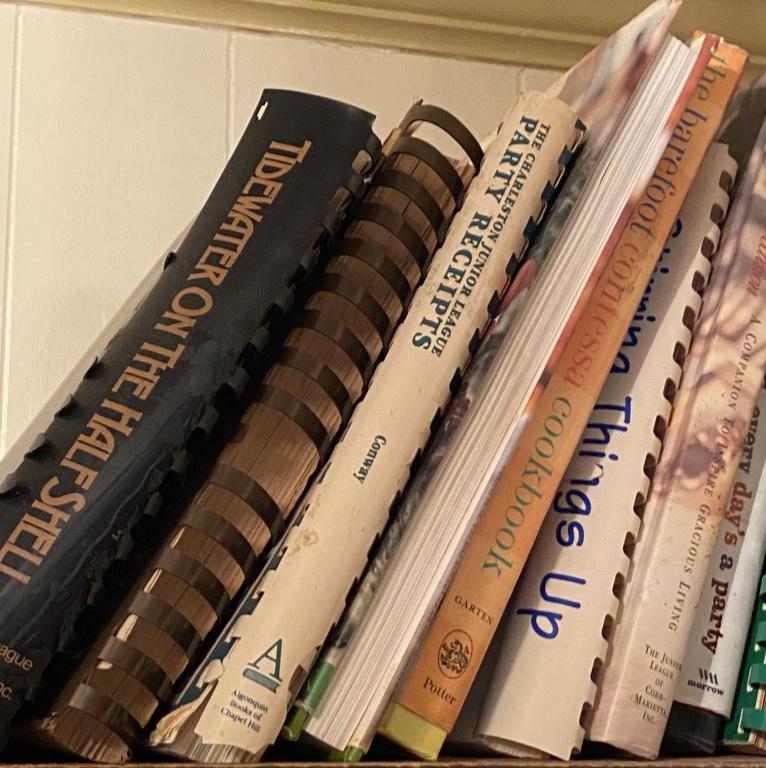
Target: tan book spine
[
  {"x": 439, "y": 677},
  {"x": 286, "y": 433},
  {"x": 559, "y": 617}
]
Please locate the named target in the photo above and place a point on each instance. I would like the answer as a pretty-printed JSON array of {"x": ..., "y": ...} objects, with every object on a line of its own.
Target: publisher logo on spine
[
  {"x": 455, "y": 653},
  {"x": 266, "y": 669},
  {"x": 708, "y": 681},
  {"x": 708, "y": 677}
]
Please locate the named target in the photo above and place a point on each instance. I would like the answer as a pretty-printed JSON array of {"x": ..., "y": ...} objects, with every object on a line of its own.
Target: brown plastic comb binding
[{"x": 286, "y": 433}]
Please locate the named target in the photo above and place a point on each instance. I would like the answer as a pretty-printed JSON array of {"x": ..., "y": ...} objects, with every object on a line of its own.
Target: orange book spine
[{"x": 432, "y": 690}]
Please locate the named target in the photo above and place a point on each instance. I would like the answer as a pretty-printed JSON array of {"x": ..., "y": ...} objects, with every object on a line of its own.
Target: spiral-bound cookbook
[
  {"x": 304, "y": 399},
  {"x": 717, "y": 643},
  {"x": 116, "y": 452},
  {"x": 722, "y": 378}
]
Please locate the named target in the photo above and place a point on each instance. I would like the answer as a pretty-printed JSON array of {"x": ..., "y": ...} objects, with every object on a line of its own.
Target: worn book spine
[
  {"x": 264, "y": 654},
  {"x": 436, "y": 684},
  {"x": 305, "y": 398},
  {"x": 722, "y": 378},
  {"x": 116, "y": 452},
  {"x": 559, "y": 616},
  {"x": 717, "y": 641}
]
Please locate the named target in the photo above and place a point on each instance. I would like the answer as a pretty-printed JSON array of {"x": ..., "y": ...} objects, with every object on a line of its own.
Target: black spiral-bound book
[{"x": 122, "y": 444}]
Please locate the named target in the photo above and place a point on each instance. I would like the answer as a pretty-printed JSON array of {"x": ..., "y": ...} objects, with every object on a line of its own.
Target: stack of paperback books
[{"x": 465, "y": 457}]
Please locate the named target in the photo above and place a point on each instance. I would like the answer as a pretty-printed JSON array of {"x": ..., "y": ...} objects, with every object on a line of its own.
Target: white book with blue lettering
[{"x": 557, "y": 626}]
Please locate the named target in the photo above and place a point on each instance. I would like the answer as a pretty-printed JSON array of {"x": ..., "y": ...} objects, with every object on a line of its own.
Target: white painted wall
[{"x": 112, "y": 133}]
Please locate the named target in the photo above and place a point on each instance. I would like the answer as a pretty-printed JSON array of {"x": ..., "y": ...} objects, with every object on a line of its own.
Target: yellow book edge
[{"x": 411, "y": 731}]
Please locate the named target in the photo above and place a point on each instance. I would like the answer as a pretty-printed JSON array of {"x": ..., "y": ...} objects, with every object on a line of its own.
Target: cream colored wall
[{"x": 112, "y": 132}]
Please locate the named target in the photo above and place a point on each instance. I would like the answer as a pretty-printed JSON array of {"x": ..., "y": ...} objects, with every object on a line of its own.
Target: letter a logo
[{"x": 266, "y": 669}]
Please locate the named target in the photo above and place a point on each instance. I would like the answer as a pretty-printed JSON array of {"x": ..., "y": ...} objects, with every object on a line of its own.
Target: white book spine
[
  {"x": 555, "y": 624},
  {"x": 717, "y": 642},
  {"x": 266, "y": 652}
]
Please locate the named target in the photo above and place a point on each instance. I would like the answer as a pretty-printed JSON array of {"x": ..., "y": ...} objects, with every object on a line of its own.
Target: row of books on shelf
[{"x": 460, "y": 447}]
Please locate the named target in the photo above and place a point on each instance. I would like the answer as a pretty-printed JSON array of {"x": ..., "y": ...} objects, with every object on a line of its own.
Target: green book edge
[
  {"x": 744, "y": 713},
  {"x": 316, "y": 687}
]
